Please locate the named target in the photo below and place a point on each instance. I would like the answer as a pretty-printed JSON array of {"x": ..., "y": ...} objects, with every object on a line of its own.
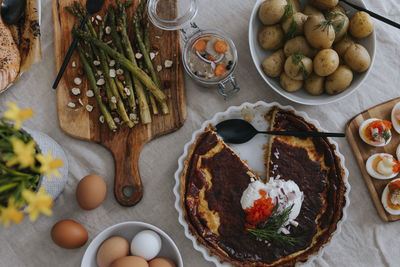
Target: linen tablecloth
[{"x": 365, "y": 239}]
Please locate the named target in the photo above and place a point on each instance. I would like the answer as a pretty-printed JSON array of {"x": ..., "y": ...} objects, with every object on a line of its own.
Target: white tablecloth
[{"x": 365, "y": 240}]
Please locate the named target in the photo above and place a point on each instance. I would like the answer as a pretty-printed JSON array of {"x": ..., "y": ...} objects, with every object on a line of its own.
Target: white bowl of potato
[{"x": 313, "y": 59}]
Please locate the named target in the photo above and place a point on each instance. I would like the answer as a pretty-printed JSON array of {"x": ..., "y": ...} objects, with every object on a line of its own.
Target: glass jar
[{"x": 201, "y": 60}]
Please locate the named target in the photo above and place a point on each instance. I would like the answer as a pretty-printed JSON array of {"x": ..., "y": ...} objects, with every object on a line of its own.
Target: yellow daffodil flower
[
  {"x": 11, "y": 213},
  {"x": 17, "y": 115},
  {"x": 24, "y": 153},
  {"x": 39, "y": 202},
  {"x": 49, "y": 165}
]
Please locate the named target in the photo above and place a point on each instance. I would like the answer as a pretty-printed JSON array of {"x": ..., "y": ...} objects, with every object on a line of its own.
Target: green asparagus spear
[{"x": 96, "y": 90}]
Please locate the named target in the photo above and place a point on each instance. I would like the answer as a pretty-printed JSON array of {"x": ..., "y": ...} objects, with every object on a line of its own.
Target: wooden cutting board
[
  {"x": 363, "y": 151},
  {"x": 125, "y": 144}
]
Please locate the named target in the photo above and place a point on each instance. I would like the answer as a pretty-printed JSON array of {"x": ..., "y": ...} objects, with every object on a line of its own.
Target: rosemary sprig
[
  {"x": 297, "y": 60},
  {"x": 269, "y": 229}
]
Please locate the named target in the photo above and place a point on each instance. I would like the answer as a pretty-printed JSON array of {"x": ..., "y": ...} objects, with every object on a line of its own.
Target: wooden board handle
[{"x": 128, "y": 189}]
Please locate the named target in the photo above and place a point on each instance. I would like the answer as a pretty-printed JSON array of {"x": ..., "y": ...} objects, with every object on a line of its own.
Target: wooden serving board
[
  {"x": 363, "y": 151},
  {"x": 126, "y": 143}
]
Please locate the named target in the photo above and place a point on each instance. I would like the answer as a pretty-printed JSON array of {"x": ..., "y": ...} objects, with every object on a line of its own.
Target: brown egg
[
  {"x": 91, "y": 191},
  {"x": 69, "y": 234},
  {"x": 161, "y": 262},
  {"x": 113, "y": 248},
  {"x": 130, "y": 261}
]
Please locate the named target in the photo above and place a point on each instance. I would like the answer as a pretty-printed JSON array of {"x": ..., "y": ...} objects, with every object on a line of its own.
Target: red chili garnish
[
  {"x": 394, "y": 186},
  {"x": 396, "y": 166},
  {"x": 261, "y": 209}
]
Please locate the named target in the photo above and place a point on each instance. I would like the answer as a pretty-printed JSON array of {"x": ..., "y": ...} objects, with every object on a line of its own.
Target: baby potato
[
  {"x": 271, "y": 37},
  {"x": 357, "y": 58},
  {"x": 312, "y": 11},
  {"x": 296, "y": 5},
  {"x": 361, "y": 24},
  {"x": 273, "y": 65},
  {"x": 298, "y": 67},
  {"x": 289, "y": 84},
  {"x": 324, "y": 4},
  {"x": 341, "y": 46},
  {"x": 319, "y": 33},
  {"x": 314, "y": 85},
  {"x": 326, "y": 62},
  {"x": 339, "y": 81},
  {"x": 271, "y": 11},
  {"x": 299, "y": 44},
  {"x": 294, "y": 25},
  {"x": 337, "y": 8},
  {"x": 340, "y": 23}
]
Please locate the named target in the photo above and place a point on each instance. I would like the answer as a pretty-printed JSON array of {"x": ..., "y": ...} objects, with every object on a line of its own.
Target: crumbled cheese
[
  {"x": 89, "y": 93},
  {"x": 101, "y": 118},
  {"x": 75, "y": 91},
  {"x": 116, "y": 119},
  {"x": 132, "y": 116},
  {"x": 112, "y": 73},
  {"x": 78, "y": 81},
  {"x": 112, "y": 63},
  {"x": 114, "y": 99},
  {"x": 89, "y": 108},
  {"x": 120, "y": 71},
  {"x": 99, "y": 72},
  {"x": 159, "y": 68},
  {"x": 138, "y": 55},
  {"x": 73, "y": 64},
  {"x": 98, "y": 17},
  {"x": 80, "y": 101},
  {"x": 108, "y": 30},
  {"x": 96, "y": 63},
  {"x": 101, "y": 82},
  {"x": 152, "y": 55},
  {"x": 127, "y": 91},
  {"x": 71, "y": 105}
]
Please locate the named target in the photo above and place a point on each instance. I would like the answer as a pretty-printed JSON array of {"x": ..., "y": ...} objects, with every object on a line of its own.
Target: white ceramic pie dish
[
  {"x": 251, "y": 152},
  {"x": 258, "y": 54}
]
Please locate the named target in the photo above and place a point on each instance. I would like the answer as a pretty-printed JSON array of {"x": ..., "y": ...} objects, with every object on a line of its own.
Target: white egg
[
  {"x": 384, "y": 200},
  {"x": 146, "y": 244},
  {"x": 371, "y": 171},
  {"x": 369, "y": 142},
  {"x": 396, "y": 121}
]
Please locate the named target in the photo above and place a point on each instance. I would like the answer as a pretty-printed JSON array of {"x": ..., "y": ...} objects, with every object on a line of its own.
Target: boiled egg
[
  {"x": 69, "y": 234},
  {"x": 146, "y": 244},
  {"x": 391, "y": 197},
  {"x": 161, "y": 262},
  {"x": 375, "y": 132},
  {"x": 112, "y": 249},
  {"x": 382, "y": 166},
  {"x": 130, "y": 261},
  {"x": 395, "y": 117}
]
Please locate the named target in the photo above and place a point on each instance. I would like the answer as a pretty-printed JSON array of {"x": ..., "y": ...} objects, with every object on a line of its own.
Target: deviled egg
[
  {"x": 382, "y": 166},
  {"x": 391, "y": 197},
  {"x": 376, "y": 132},
  {"x": 396, "y": 117}
]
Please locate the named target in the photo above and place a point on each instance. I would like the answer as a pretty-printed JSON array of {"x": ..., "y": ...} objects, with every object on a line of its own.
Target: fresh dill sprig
[
  {"x": 289, "y": 11},
  {"x": 297, "y": 59},
  {"x": 291, "y": 32},
  {"x": 324, "y": 25},
  {"x": 337, "y": 16},
  {"x": 269, "y": 229}
]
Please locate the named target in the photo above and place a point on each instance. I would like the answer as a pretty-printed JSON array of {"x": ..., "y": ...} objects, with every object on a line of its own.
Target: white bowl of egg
[{"x": 132, "y": 243}]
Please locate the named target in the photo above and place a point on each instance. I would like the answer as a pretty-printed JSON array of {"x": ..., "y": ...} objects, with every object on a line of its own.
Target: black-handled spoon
[
  {"x": 377, "y": 16},
  {"x": 92, "y": 6},
  {"x": 12, "y": 11},
  {"x": 236, "y": 131}
]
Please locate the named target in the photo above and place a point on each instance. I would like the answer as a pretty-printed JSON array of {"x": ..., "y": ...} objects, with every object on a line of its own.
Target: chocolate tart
[{"x": 214, "y": 178}]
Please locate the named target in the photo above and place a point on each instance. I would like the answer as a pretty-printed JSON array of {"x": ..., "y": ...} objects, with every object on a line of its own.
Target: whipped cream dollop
[
  {"x": 283, "y": 194},
  {"x": 385, "y": 166}
]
